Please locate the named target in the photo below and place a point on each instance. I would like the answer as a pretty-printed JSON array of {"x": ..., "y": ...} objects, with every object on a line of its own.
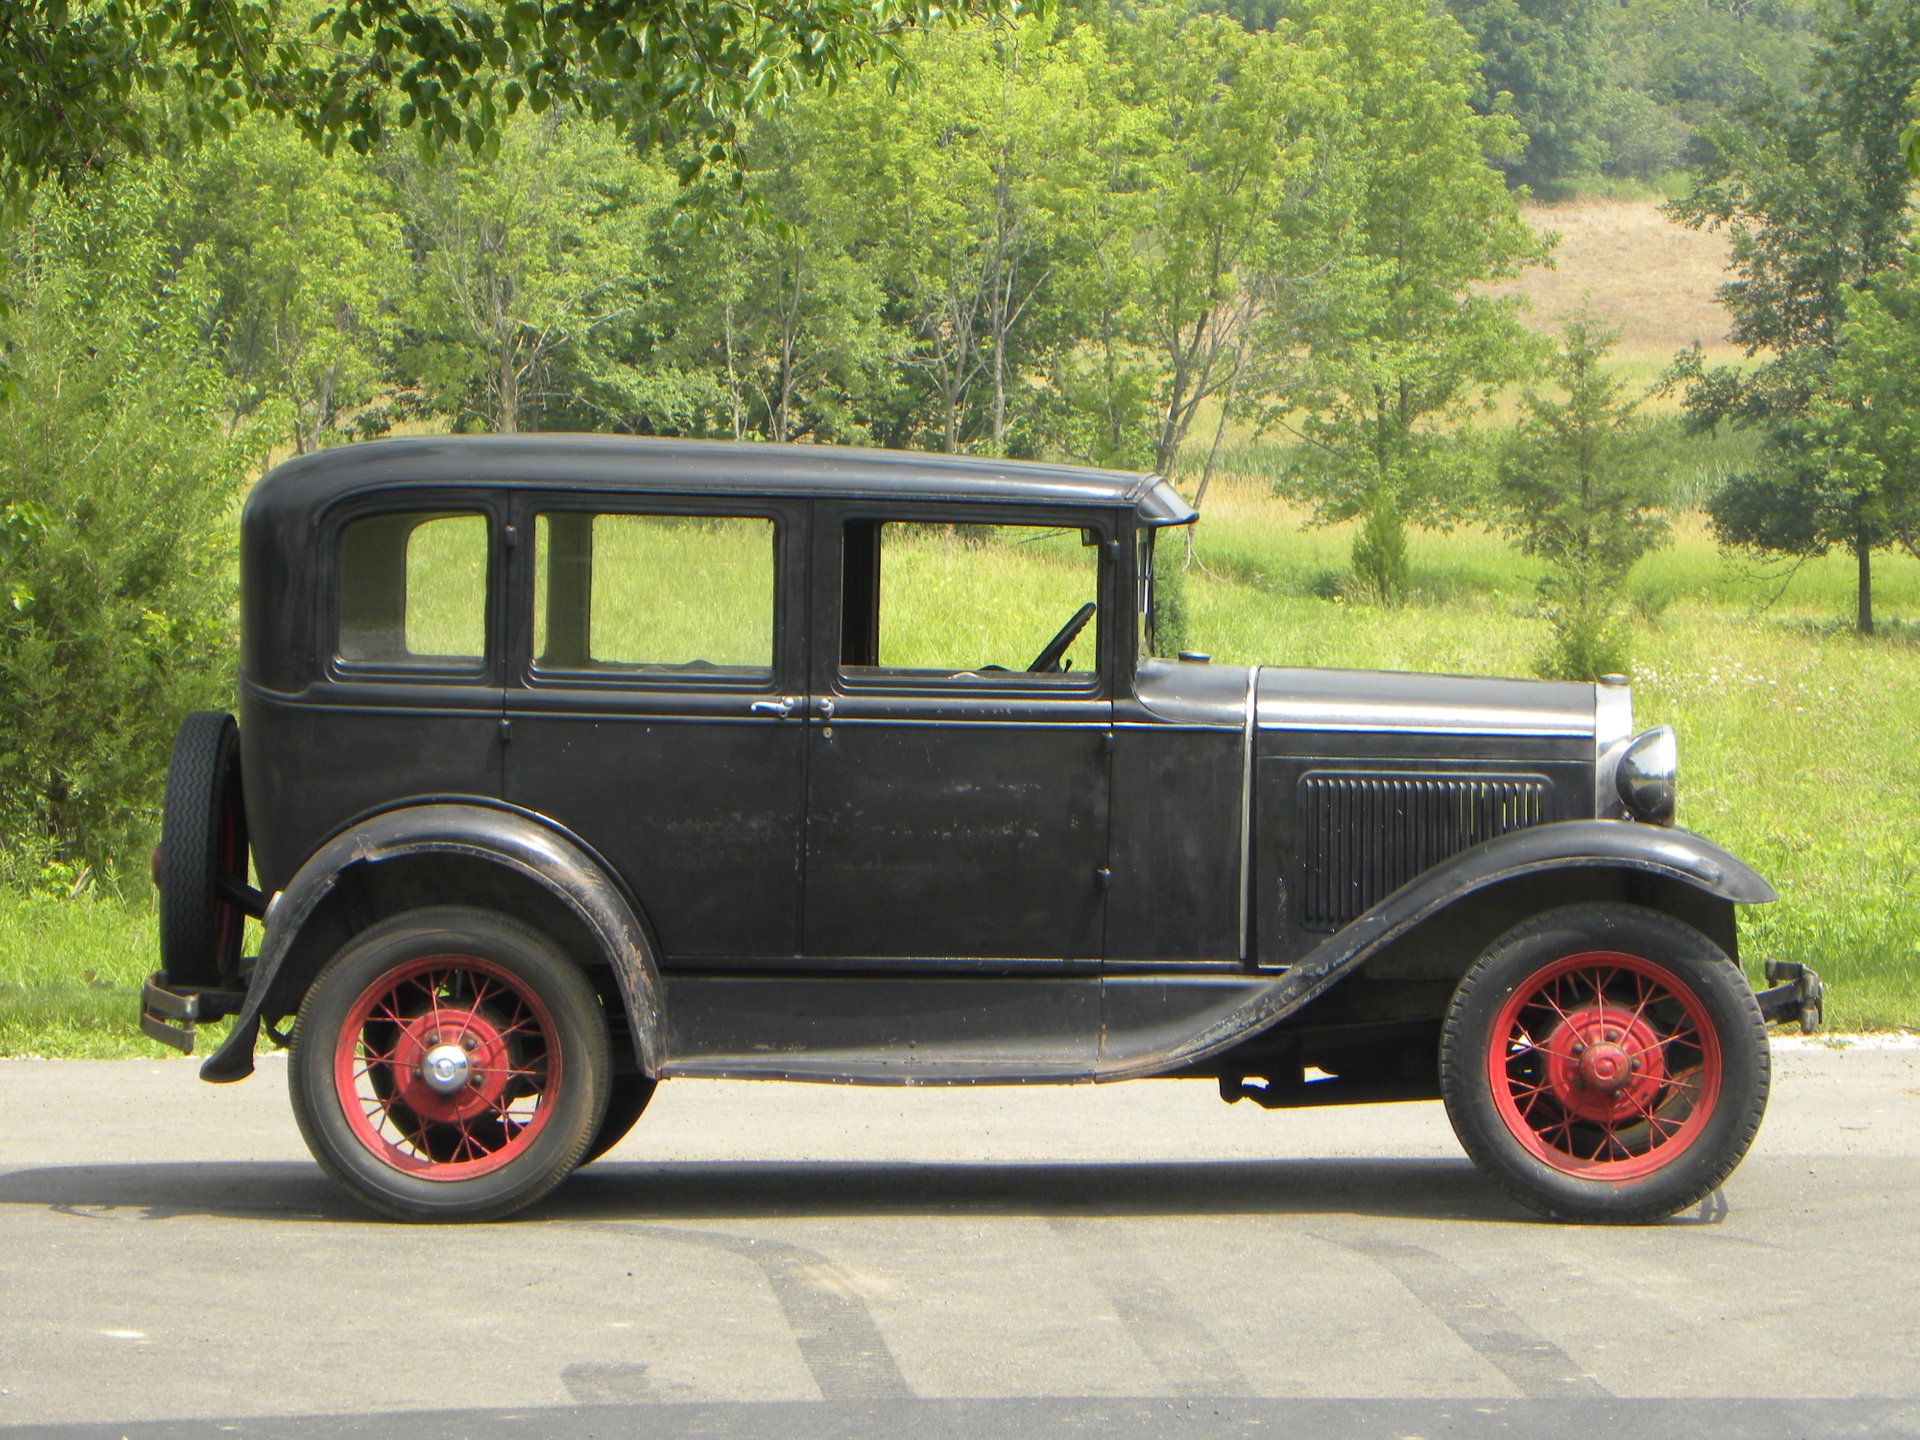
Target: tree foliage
[
  {"x": 1545, "y": 63},
  {"x": 75, "y": 78},
  {"x": 1407, "y": 342}
]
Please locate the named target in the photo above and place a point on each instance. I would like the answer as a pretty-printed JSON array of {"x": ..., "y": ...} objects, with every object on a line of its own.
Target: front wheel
[
  {"x": 1605, "y": 1062},
  {"x": 449, "y": 1064}
]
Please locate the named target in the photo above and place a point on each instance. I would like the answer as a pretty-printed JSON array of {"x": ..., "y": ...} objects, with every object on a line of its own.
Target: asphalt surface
[{"x": 804, "y": 1261}]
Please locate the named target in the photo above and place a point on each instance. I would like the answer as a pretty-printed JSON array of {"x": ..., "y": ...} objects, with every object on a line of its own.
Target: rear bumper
[
  {"x": 170, "y": 1014},
  {"x": 1794, "y": 993}
]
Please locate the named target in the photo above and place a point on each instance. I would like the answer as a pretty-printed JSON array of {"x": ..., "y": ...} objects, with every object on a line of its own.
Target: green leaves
[{"x": 71, "y": 82}]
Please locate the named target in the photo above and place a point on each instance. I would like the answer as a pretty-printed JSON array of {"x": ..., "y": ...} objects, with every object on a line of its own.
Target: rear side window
[
  {"x": 413, "y": 589},
  {"x": 682, "y": 593}
]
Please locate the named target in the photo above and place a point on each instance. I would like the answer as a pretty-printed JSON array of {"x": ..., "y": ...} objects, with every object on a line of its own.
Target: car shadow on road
[{"x": 1423, "y": 1189}]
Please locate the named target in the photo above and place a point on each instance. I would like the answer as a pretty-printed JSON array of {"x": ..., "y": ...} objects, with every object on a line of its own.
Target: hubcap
[{"x": 445, "y": 1068}]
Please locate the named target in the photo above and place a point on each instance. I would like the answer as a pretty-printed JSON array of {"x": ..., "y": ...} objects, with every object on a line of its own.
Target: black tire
[
  {"x": 435, "y": 980},
  {"x": 1632, "y": 1065},
  {"x": 626, "y": 1099},
  {"x": 203, "y": 839}
]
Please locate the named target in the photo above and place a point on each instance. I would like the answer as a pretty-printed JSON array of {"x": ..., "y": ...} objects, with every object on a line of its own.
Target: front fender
[
  {"x": 1574, "y": 844},
  {"x": 507, "y": 838}
]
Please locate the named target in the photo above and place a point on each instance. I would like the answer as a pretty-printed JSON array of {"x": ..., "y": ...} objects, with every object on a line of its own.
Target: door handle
[
  {"x": 826, "y": 708},
  {"x": 779, "y": 709}
]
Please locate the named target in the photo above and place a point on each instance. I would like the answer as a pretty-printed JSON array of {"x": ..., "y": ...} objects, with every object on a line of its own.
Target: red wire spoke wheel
[
  {"x": 444, "y": 1067},
  {"x": 1605, "y": 1065},
  {"x": 1605, "y": 1062},
  {"x": 450, "y": 1064}
]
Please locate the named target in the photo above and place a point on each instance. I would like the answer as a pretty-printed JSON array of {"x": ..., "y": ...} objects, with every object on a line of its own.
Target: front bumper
[
  {"x": 1793, "y": 993},
  {"x": 169, "y": 1013}
]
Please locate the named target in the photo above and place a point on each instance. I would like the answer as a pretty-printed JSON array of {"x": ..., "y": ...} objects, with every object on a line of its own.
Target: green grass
[{"x": 1797, "y": 737}]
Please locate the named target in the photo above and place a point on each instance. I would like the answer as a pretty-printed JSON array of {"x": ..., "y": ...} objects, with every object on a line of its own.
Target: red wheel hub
[
  {"x": 447, "y": 1067},
  {"x": 1604, "y": 1065},
  {"x": 451, "y": 1092}
]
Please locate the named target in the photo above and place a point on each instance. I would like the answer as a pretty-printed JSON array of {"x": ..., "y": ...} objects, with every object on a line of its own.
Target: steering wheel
[{"x": 1048, "y": 660}]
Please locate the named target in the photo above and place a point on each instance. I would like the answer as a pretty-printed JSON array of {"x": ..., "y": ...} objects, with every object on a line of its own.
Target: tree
[
  {"x": 982, "y": 163},
  {"x": 1578, "y": 490},
  {"x": 1680, "y": 65},
  {"x": 1865, "y": 424},
  {"x": 121, "y": 470},
  {"x": 74, "y": 77},
  {"x": 1814, "y": 196},
  {"x": 1223, "y": 191},
  {"x": 519, "y": 258},
  {"x": 1545, "y": 62},
  {"x": 1408, "y": 342},
  {"x": 309, "y": 267}
]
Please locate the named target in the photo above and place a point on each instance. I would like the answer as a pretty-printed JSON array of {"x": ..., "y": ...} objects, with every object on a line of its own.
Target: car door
[
  {"x": 652, "y": 707},
  {"x": 957, "y": 796}
]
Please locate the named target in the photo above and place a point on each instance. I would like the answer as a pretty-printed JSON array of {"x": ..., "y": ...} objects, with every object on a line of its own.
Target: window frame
[
  {"x": 829, "y": 677},
  {"x": 431, "y": 504},
  {"x": 532, "y": 504}
]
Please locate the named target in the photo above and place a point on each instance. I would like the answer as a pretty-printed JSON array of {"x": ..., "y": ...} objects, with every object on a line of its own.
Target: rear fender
[{"x": 513, "y": 842}]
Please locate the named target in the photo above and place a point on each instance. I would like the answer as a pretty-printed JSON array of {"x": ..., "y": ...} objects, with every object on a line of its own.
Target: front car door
[{"x": 960, "y": 724}]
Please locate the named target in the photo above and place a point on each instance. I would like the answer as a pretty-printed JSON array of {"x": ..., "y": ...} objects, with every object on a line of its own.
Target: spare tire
[{"x": 201, "y": 865}]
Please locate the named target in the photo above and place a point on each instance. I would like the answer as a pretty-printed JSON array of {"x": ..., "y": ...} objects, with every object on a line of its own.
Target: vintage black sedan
[{"x": 565, "y": 765}]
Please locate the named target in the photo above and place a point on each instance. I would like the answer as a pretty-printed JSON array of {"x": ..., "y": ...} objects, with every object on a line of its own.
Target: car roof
[{"x": 620, "y": 463}]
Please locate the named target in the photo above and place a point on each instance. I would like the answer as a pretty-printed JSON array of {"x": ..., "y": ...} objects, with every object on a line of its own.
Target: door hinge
[
  {"x": 506, "y": 731},
  {"x": 512, "y": 536},
  {"x": 1103, "y": 877},
  {"x": 1106, "y": 743}
]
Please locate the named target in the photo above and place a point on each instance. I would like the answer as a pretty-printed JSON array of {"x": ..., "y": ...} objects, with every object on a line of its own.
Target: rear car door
[{"x": 652, "y": 705}]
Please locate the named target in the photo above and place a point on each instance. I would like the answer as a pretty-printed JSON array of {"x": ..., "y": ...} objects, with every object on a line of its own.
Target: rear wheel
[
  {"x": 449, "y": 1064},
  {"x": 626, "y": 1099},
  {"x": 1605, "y": 1062}
]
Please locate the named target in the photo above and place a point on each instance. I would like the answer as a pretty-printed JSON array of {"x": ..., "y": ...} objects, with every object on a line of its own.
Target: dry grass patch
[{"x": 1640, "y": 272}]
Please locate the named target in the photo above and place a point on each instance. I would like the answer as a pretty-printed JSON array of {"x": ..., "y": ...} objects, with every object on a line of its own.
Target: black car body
[{"x": 826, "y": 849}]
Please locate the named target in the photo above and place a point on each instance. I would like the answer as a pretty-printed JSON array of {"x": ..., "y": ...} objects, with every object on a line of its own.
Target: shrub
[{"x": 119, "y": 477}]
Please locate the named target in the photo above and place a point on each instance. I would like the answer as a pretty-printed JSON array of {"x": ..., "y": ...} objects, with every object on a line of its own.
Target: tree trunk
[{"x": 1863, "y": 552}]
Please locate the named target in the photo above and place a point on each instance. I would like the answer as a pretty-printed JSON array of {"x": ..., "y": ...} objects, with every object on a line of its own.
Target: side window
[
  {"x": 413, "y": 589},
  {"x": 969, "y": 602},
  {"x": 654, "y": 593}
]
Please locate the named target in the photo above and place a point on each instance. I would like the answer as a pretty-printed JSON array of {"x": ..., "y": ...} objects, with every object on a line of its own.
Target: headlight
[{"x": 1646, "y": 774}]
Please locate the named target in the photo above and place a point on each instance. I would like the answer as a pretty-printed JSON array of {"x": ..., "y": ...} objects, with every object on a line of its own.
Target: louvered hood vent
[{"x": 1368, "y": 834}]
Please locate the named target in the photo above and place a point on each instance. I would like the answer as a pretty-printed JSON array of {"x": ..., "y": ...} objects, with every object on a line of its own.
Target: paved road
[{"x": 801, "y": 1261}]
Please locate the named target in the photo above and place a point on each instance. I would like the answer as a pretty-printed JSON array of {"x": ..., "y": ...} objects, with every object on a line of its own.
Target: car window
[
  {"x": 654, "y": 592},
  {"x": 413, "y": 589},
  {"x": 970, "y": 601}
]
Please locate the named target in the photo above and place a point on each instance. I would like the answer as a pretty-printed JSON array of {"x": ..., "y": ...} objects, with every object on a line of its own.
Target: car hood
[
  {"x": 1333, "y": 701},
  {"x": 1349, "y": 700}
]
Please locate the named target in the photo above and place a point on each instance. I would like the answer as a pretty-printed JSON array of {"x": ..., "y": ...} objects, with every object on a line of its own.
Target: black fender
[
  {"x": 511, "y": 839},
  {"x": 1620, "y": 845}
]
